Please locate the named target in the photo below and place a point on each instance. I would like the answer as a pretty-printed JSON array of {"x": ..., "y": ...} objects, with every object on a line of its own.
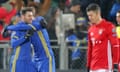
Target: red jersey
[{"x": 102, "y": 44}]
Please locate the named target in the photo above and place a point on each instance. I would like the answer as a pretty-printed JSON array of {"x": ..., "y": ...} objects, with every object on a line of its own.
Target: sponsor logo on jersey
[
  {"x": 100, "y": 31},
  {"x": 91, "y": 34}
]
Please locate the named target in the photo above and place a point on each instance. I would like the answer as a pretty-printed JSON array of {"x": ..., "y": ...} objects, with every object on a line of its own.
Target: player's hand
[
  {"x": 29, "y": 33},
  {"x": 43, "y": 23},
  {"x": 5, "y": 33}
]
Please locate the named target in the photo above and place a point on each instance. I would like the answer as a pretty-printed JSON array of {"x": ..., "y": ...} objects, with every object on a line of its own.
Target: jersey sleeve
[
  {"x": 35, "y": 26},
  {"x": 19, "y": 27},
  {"x": 89, "y": 51},
  {"x": 114, "y": 42},
  {"x": 17, "y": 40}
]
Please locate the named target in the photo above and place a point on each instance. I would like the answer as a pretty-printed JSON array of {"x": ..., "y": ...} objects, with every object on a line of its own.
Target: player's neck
[{"x": 98, "y": 20}]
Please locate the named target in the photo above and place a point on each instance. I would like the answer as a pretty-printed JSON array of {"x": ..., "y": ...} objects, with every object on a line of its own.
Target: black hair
[
  {"x": 93, "y": 7},
  {"x": 25, "y": 10},
  {"x": 118, "y": 11}
]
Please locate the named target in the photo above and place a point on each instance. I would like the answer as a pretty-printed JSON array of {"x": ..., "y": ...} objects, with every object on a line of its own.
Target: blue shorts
[
  {"x": 45, "y": 65},
  {"x": 23, "y": 66}
]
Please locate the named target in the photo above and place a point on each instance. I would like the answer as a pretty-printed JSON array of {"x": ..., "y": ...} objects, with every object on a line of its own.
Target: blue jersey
[
  {"x": 21, "y": 53},
  {"x": 21, "y": 45},
  {"x": 21, "y": 26},
  {"x": 41, "y": 43}
]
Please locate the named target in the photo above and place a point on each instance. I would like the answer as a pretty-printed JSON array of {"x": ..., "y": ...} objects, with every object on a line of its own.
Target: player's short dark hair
[
  {"x": 118, "y": 11},
  {"x": 25, "y": 10},
  {"x": 93, "y": 7}
]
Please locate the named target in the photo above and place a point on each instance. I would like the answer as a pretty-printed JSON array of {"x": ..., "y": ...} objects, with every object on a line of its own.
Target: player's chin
[{"x": 30, "y": 21}]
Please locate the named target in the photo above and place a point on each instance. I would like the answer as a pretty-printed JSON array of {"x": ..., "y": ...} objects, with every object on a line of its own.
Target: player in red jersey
[{"x": 102, "y": 42}]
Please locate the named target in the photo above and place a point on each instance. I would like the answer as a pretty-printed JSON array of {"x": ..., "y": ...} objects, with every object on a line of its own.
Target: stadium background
[{"x": 62, "y": 22}]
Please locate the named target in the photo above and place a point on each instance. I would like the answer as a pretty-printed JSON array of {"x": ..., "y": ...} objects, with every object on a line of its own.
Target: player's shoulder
[
  {"x": 20, "y": 23},
  {"x": 108, "y": 24},
  {"x": 90, "y": 28},
  {"x": 39, "y": 17}
]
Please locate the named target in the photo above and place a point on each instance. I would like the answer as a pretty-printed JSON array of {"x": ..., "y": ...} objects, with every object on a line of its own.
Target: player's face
[
  {"x": 93, "y": 16},
  {"x": 28, "y": 17},
  {"x": 118, "y": 18}
]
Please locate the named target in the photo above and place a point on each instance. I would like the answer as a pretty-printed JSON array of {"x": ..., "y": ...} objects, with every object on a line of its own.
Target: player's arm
[
  {"x": 89, "y": 52},
  {"x": 43, "y": 23},
  {"x": 20, "y": 27},
  {"x": 114, "y": 42},
  {"x": 18, "y": 40}
]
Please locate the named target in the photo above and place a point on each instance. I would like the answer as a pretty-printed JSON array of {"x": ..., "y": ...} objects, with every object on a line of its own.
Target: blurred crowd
[{"x": 52, "y": 10}]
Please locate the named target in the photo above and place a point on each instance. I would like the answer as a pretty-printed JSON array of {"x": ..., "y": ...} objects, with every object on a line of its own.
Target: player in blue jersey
[
  {"x": 21, "y": 60},
  {"x": 43, "y": 54},
  {"x": 44, "y": 57}
]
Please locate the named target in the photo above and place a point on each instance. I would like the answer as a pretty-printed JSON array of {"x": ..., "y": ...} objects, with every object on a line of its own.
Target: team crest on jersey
[
  {"x": 91, "y": 34},
  {"x": 100, "y": 31}
]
